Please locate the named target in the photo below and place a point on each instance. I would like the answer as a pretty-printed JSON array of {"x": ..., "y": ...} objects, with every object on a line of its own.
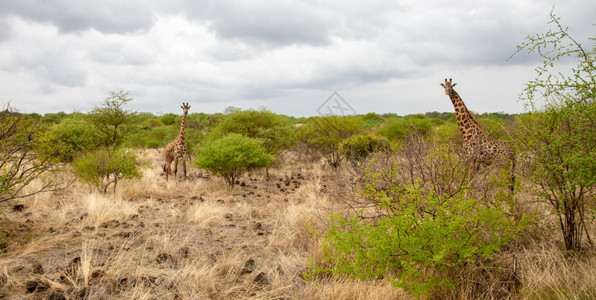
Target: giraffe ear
[
  {"x": 453, "y": 84},
  {"x": 443, "y": 85}
]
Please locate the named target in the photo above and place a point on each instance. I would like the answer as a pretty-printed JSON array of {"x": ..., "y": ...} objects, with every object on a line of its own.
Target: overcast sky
[{"x": 286, "y": 55}]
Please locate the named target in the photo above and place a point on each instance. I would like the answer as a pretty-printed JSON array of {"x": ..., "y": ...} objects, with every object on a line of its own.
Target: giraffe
[
  {"x": 479, "y": 148},
  {"x": 177, "y": 148}
]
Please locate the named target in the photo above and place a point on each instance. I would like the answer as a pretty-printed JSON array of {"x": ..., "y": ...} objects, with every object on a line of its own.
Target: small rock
[
  {"x": 18, "y": 207},
  {"x": 37, "y": 268},
  {"x": 261, "y": 278},
  {"x": 56, "y": 296},
  {"x": 184, "y": 252},
  {"x": 36, "y": 285},
  {"x": 164, "y": 257}
]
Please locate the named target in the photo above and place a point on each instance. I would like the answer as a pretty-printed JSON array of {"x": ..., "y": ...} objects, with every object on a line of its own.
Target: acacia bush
[
  {"x": 21, "y": 160},
  {"x": 71, "y": 136},
  {"x": 232, "y": 155},
  {"x": 359, "y": 146},
  {"x": 104, "y": 167},
  {"x": 274, "y": 131},
  {"x": 558, "y": 141},
  {"x": 418, "y": 221},
  {"x": 325, "y": 134}
]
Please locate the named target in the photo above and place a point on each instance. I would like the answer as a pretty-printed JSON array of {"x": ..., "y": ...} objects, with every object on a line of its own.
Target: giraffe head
[
  {"x": 448, "y": 85},
  {"x": 185, "y": 107}
]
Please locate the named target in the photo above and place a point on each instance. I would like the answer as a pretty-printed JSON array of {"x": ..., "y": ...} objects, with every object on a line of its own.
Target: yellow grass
[{"x": 197, "y": 239}]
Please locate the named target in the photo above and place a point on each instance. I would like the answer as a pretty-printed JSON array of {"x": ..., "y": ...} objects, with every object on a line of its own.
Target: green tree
[
  {"x": 109, "y": 163},
  {"x": 104, "y": 167},
  {"x": 21, "y": 162},
  {"x": 68, "y": 138},
  {"x": 232, "y": 155},
  {"x": 111, "y": 119},
  {"x": 326, "y": 134},
  {"x": 558, "y": 141},
  {"x": 275, "y": 132},
  {"x": 359, "y": 146}
]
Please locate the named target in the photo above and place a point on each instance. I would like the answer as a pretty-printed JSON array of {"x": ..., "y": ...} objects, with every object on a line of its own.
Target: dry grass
[
  {"x": 546, "y": 273},
  {"x": 196, "y": 239}
]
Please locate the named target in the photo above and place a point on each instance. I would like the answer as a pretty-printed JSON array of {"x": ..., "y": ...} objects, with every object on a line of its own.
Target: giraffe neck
[
  {"x": 182, "y": 126},
  {"x": 467, "y": 125}
]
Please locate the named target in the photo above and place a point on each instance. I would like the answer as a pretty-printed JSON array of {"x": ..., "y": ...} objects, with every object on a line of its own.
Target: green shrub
[
  {"x": 275, "y": 132},
  {"x": 170, "y": 119},
  {"x": 151, "y": 123},
  {"x": 372, "y": 120},
  {"x": 70, "y": 137},
  {"x": 105, "y": 166},
  {"x": 557, "y": 143},
  {"x": 232, "y": 155},
  {"x": 326, "y": 134},
  {"x": 361, "y": 145},
  {"x": 398, "y": 128},
  {"x": 421, "y": 243}
]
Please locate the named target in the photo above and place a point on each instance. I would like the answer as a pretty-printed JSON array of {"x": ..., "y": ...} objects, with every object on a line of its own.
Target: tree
[
  {"x": 232, "y": 155},
  {"x": 558, "y": 141},
  {"x": 326, "y": 134},
  {"x": 67, "y": 139},
  {"x": 107, "y": 163},
  {"x": 359, "y": 146},
  {"x": 111, "y": 118},
  {"x": 20, "y": 163},
  {"x": 104, "y": 167},
  {"x": 272, "y": 130}
]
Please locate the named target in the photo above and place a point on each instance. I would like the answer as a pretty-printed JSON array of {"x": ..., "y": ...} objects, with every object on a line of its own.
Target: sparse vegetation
[
  {"x": 21, "y": 162},
  {"x": 559, "y": 139},
  {"x": 403, "y": 219}
]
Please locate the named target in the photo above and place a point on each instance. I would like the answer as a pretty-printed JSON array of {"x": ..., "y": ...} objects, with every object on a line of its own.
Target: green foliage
[
  {"x": 275, "y": 132},
  {"x": 106, "y": 166},
  {"x": 440, "y": 115},
  {"x": 232, "y": 155},
  {"x": 372, "y": 120},
  {"x": 170, "y": 119},
  {"x": 68, "y": 138},
  {"x": 399, "y": 128},
  {"x": 21, "y": 162},
  {"x": 558, "y": 141},
  {"x": 423, "y": 241},
  {"x": 361, "y": 145},
  {"x": 151, "y": 123},
  {"x": 111, "y": 119},
  {"x": 326, "y": 134}
]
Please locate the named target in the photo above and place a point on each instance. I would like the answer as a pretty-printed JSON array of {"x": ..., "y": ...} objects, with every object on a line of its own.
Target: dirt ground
[{"x": 181, "y": 239}]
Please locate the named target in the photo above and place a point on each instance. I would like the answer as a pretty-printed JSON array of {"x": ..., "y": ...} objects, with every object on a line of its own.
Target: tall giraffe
[
  {"x": 479, "y": 148},
  {"x": 177, "y": 148}
]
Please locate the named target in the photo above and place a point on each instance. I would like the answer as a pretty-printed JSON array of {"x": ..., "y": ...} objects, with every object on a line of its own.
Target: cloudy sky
[{"x": 289, "y": 56}]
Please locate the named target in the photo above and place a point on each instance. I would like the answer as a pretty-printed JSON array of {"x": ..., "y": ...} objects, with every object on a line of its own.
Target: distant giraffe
[
  {"x": 479, "y": 148},
  {"x": 177, "y": 148}
]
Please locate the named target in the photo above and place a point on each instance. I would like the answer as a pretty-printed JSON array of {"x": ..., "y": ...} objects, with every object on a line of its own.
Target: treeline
[{"x": 147, "y": 130}]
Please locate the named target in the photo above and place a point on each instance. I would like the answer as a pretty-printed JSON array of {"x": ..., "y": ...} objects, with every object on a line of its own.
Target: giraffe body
[
  {"x": 479, "y": 148},
  {"x": 177, "y": 148}
]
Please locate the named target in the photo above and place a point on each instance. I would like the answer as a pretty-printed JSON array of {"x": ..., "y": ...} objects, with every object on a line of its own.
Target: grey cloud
[
  {"x": 110, "y": 16},
  {"x": 261, "y": 22}
]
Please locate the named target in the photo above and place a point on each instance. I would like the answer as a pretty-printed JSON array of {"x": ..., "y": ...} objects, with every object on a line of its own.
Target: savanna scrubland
[{"x": 374, "y": 206}]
